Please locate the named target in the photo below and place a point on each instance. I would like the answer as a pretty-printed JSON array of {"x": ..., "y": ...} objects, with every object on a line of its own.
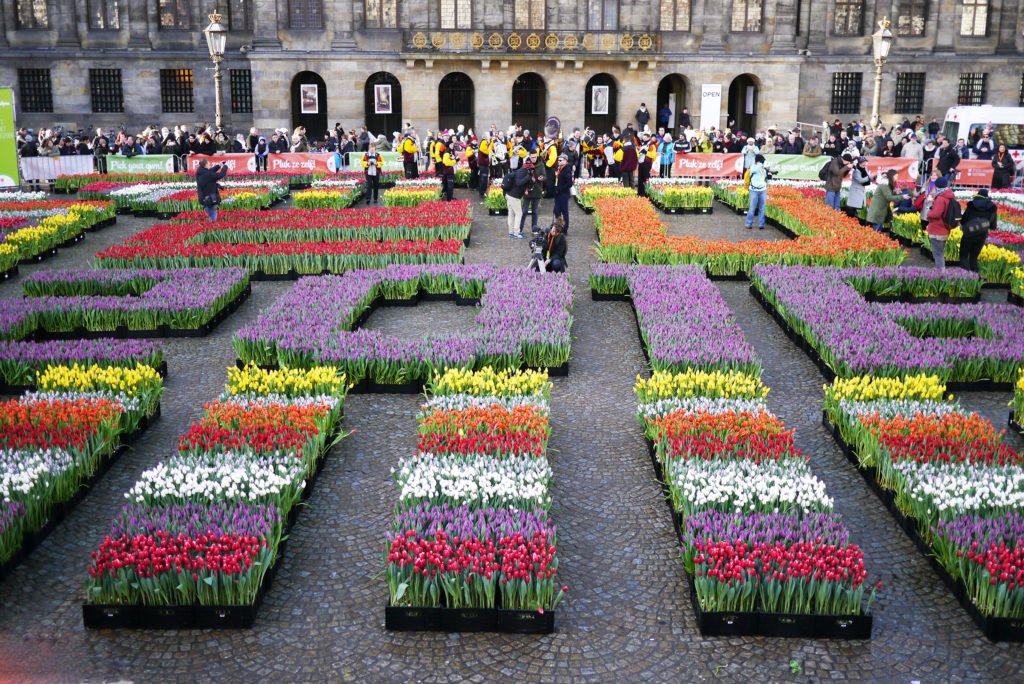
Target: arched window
[{"x": 455, "y": 101}]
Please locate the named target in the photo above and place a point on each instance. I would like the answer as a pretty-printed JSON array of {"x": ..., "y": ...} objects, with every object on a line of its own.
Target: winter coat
[
  {"x": 859, "y": 180},
  {"x": 880, "y": 201},
  {"x": 667, "y": 153},
  {"x": 936, "y": 215},
  {"x": 981, "y": 210},
  {"x": 206, "y": 181},
  {"x": 1004, "y": 171},
  {"x": 521, "y": 179},
  {"x": 837, "y": 171}
]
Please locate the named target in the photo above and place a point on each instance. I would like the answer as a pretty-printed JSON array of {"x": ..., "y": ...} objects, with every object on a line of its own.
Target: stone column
[
  {"x": 1008, "y": 27},
  {"x": 63, "y": 21},
  {"x": 339, "y": 15},
  {"x": 817, "y": 25},
  {"x": 6, "y": 20},
  {"x": 135, "y": 18},
  {"x": 265, "y": 25},
  {"x": 783, "y": 37},
  {"x": 715, "y": 21},
  {"x": 943, "y": 15}
]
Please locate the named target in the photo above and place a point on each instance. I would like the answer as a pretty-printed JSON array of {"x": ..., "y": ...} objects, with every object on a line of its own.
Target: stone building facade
[{"x": 87, "y": 63}]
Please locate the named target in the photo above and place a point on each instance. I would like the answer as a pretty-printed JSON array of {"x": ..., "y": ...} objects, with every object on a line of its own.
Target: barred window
[
  {"x": 675, "y": 15},
  {"x": 239, "y": 14},
  {"x": 603, "y": 15},
  {"x": 974, "y": 20},
  {"x": 972, "y": 89},
  {"x": 174, "y": 14},
  {"x": 103, "y": 14},
  {"x": 529, "y": 14},
  {"x": 746, "y": 16},
  {"x": 176, "y": 90},
  {"x": 31, "y": 14},
  {"x": 381, "y": 14},
  {"x": 305, "y": 14},
  {"x": 105, "y": 90},
  {"x": 846, "y": 92},
  {"x": 911, "y": 17},
  {"x": 849, "y": 18},
  {"x": 36, "y": 93},
  {"x": 456, "y": 14},
  {"x": 241, "y": 91},
  {"x": 910, "y": 93}
]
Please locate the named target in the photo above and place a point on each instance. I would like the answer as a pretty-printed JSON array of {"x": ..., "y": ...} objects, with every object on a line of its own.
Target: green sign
[
  {"x": 148, "y": 163},
  {"x": 795, "y": 166},
  {"x": 8, "y": 141}
]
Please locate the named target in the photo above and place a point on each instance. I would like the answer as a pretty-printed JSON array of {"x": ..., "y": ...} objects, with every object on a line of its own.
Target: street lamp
[
  {"x": 216, "y": 38},
  {"x": 881, "y": 44}
]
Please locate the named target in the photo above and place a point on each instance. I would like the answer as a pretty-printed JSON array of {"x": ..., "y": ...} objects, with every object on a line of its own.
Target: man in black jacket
[
  {"x": 979, "y": 218},
  {"x": 948, "y": 160},
  {"x": 206, "y": 186},
  {"x": 556, "y": 248}
]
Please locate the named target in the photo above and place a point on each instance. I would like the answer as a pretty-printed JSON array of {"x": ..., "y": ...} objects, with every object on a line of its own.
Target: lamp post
[
  {"x": 881, "y": 43},
  {"x": 216, "y": 38}
]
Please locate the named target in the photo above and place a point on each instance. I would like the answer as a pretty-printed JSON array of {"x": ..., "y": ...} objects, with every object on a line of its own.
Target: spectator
[
  {"x": 206, "y": 186},
  {"x": 912, "y": 149},
  {"x": 985, "y": 149},
  {"x": 534, "y": 192},
  {"x": 889, "y": 150},
  {"x": 963, "y": 150},
  {"x": 260, "y": 151},
  {"x": 666, "y": 156},
  {"x": 642, "y": 116},
  {"x": 979, "y": 218},
  {"x": 515, "y": 184},
  {"x": 664, "y": 116},
  {"x": 837, "y": 170},
  {"x": 832, "y": 146},
  {"x": 372, "y": 165},
  {"x": 948, "y": 160},
  {"x": 881, "y": 200},
  {"x": 563, "y": 189},
  {"x": 684, "y": 119},
  {"x": 758, "y": 193},
  {"x": 1004, "y": 168},
  {"x": 130, "y": 148},
  {"x": 938, "y": 231},
  {"x": 812, "y": 148}
]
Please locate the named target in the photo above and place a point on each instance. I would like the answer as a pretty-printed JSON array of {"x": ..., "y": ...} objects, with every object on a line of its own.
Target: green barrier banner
[
  {"x": 150, "y": 163},
  {"x": 795, "y": 166},
  {"x": 8, "y": 141}
]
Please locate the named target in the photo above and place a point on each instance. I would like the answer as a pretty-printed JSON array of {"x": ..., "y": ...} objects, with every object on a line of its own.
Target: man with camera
[
  {"x": 207, "y": 188},
  {"x": 554, "y": 251}
]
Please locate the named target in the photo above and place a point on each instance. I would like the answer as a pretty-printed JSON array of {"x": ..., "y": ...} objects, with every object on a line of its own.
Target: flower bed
[
  {"x": 962, "y": 343},
  {"x": 587, "y": 191},
  {"x": 675, "y": 309},
  {"x": 630, "y": 231},
  {"x": 293, "y": 242},
  {"x": 680, "y": 194},
  {"x": 330, "y": 193},
  {"x": 1017, "y": 415},
  {"x": 172, "y": 198},
  {"x": 524, "y": 320},
  {"x": 412, "y": 192},
  {"x": 48, "y": 224},
  {"x": 100, "y": 182},
  {"x": 126, "y": 303},
  {"x": 471, "y": 545},
  {"x": 198, "y": 542},
  {"x": 494, "y": 199},
  {"x": 956, "y": 489},
  {"x": 21, "y": 362},
  {"x": 996, "y": 262},
  {"x": 55, "y": 442}
]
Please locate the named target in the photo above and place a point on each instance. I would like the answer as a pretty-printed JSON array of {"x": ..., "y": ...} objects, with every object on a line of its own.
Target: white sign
[{"x": 710, "y": 105}]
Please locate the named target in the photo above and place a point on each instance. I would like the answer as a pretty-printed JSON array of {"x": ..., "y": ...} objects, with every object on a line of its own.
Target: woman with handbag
[{"x": 979, "y": 218}]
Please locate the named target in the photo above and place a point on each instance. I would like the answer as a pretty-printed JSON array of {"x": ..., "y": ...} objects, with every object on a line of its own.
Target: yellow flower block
[
  {"x": 287, "y": 381},
  {"x": 869, "y": 388}
]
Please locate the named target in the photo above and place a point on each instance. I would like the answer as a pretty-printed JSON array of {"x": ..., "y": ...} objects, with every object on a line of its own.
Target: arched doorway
[
  {"x": 455, "y": 97},
  {"x": 382, "y": 104},
  {"x": 672, "y": 92},
  {"x": 600, "y": 111},
  {"x": 743, "y": 93},
  {"x": 309, "y": 104},
  {"x": 529, "y": 102}
]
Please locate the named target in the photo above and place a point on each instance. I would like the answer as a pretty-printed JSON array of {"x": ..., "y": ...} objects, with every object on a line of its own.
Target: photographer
[
  {"x": 554, "y": 252},
  {"x": 372, "y": 163},
  {"x": 207, "y": 188}
]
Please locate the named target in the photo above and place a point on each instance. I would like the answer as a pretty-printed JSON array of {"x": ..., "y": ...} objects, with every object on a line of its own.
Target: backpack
[
  {"x": 823, "y": 171},
  {"x": 953, "y": 214},
  {"x": 508, "y": 182}
]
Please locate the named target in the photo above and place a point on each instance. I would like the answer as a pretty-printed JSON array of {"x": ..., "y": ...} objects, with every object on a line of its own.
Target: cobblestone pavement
[{"x": 627, "y": 617}]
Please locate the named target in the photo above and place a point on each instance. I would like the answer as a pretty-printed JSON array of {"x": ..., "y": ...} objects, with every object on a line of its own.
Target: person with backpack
[
  {"x": 515, "y": 184},
  {"x": 979, "y": 218},
  {"x": 833, "y": 174},
  {"x": 943, "y": 216},
  {"x": 534, "y": 191}
]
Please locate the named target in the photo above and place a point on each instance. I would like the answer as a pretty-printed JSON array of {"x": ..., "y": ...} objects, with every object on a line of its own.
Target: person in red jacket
[
  {"x": 627, "y": 160},
  {"x": 938, "y": 231}
]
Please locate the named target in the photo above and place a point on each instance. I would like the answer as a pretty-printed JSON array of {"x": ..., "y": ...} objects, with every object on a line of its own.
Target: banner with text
[
  {"x": 147, "y": 163},
  {"x": 291, "y": 162},
  {"x": 8, "y": 140},
  {"x": 709, "y": 165},
  {"x": 974, "y": 172},
  {"x": 710, "y": 105}
]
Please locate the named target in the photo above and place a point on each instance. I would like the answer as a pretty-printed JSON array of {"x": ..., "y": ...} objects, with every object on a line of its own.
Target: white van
[{"x": 1006, "y": 124}]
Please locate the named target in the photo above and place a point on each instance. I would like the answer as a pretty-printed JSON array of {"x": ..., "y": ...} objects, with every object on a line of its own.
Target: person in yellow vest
[
  {"x": 372, "y": 165},
  {"x": 550, "y": 158},
  {"x": 483, "y": 163},
  {"x": 410, "y": 151},
  {"x": 446, "y": 170},
  {"x": 648, "y": 152}
]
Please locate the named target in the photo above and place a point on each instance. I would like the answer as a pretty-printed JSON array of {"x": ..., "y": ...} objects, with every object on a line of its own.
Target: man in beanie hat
[{"x": 979, "y": 218}]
